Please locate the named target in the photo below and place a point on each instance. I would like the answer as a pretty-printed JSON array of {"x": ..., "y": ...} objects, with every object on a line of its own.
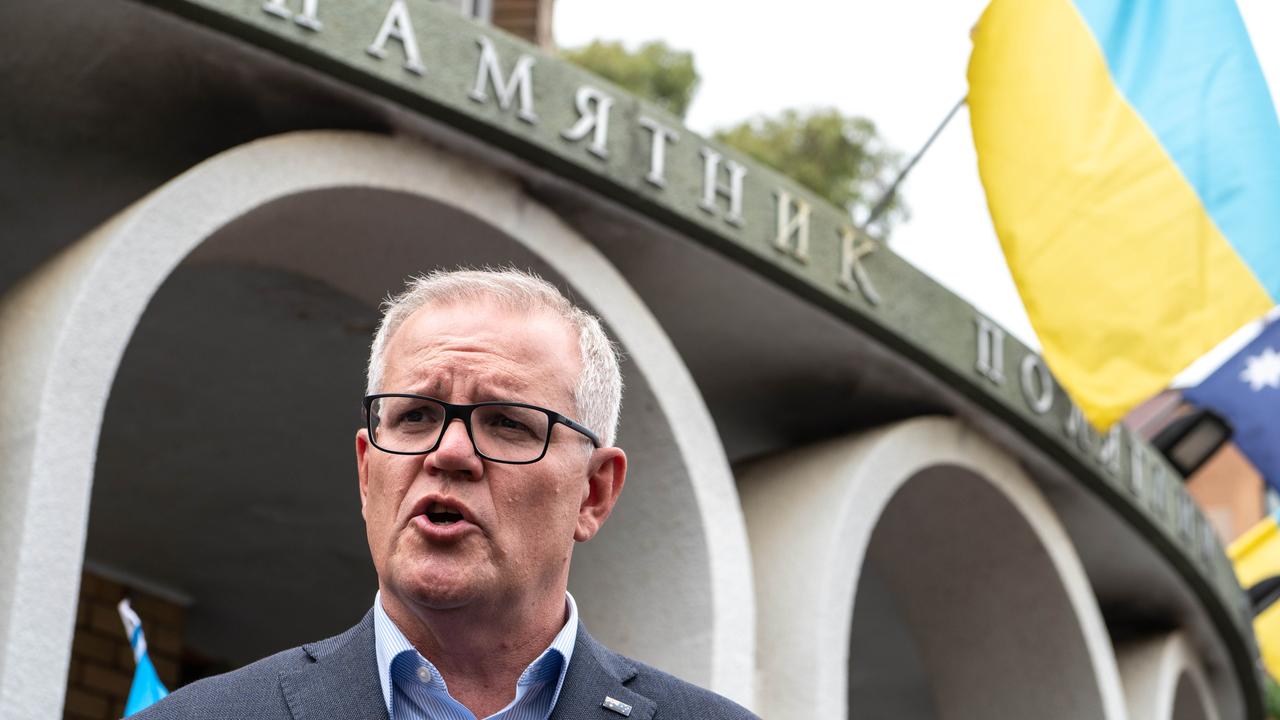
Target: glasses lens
[
  {"x": 510, "y": 432},
  {"x": 402, "y": 424}
]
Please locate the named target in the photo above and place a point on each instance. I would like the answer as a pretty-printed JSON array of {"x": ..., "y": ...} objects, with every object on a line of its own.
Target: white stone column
[{"x": 1164, "y": 680}]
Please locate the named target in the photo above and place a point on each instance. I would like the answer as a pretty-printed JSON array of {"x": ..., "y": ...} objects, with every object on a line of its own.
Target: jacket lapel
[
  {"x": 341, "y": 679},
  {"x": 595, "y": 674}
]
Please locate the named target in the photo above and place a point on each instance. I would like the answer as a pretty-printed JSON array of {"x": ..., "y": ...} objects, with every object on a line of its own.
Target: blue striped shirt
[{"x": 414, "y": 690}]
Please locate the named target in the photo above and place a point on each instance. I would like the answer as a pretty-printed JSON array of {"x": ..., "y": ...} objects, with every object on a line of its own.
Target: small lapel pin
[{"x": 617, "y": 706}]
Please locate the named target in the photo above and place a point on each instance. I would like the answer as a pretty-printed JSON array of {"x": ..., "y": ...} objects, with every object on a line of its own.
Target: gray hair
[{"x": 598, "y": 394}]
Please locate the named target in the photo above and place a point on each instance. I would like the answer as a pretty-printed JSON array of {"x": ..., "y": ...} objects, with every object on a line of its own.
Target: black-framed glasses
[{"x": 505, "y": 432}]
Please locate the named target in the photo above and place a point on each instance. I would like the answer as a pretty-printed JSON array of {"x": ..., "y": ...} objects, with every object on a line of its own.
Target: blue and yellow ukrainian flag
[{"x": 1131, "y": 158}]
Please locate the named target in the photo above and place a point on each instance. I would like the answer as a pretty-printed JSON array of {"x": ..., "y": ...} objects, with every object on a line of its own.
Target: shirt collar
[{"x": 389, "y": 642}]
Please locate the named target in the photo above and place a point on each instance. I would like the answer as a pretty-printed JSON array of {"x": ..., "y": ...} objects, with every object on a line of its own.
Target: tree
[
  {"x": 655, "y": 72},
  {"x": 840, "y": 157}
]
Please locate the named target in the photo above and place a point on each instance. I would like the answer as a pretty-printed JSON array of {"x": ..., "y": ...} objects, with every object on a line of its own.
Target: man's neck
[{"x": 480, "y": 651}]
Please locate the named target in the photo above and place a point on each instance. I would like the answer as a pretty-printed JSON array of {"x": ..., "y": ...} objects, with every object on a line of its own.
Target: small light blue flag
[
  {"x": 1246, "y": 391},
  {"x": 147, "y": 688}
]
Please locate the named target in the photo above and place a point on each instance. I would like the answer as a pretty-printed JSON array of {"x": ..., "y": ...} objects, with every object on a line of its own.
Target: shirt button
[{"x": 424, "y": 675}]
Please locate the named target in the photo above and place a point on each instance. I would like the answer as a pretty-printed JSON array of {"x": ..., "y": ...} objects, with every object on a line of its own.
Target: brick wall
[
  {"x": 529, "y": 19},
  {"x": 101, "y": 660},
  {"x": 1231, "y": 493}
]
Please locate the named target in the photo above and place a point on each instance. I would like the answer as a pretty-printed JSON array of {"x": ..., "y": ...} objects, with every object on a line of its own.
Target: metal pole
[{"x": 878, "y": 209}]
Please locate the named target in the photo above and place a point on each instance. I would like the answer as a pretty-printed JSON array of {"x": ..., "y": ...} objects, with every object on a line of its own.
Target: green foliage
[
  {"x": 1271, "y": 694},
  {"x": 655, "y": 72},
  {"x": 837, "y": 156}
]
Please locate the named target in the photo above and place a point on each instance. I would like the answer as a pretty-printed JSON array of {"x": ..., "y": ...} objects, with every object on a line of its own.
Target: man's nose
[{"x": 455, "y": 452}]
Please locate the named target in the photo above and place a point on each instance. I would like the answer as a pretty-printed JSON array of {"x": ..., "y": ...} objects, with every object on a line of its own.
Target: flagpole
[{"x": 885, "y": 200}]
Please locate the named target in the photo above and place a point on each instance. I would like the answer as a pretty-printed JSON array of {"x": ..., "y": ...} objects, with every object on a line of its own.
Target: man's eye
[
  {"x": 510, "y": 425},
  {"x": 417, "y": 416},
  {"x": 507, "y": 422}
]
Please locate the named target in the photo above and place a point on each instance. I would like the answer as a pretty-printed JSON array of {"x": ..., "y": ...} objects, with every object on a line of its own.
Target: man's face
[{"x": 519, "y": 521}]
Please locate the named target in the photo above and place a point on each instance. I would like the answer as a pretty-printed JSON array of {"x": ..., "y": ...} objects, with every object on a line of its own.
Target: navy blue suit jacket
[{"x": 337, "y": 679}]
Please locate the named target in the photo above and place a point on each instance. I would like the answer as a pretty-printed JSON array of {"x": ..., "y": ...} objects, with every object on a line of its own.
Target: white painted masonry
[
  {"x": 74, "y": 318},
  {"x": 1163, "y": 680},
  {"x": 816, "y": 514}
]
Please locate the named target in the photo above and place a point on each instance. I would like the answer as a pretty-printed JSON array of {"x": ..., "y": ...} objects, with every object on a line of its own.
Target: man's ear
[
  {"x": 362, "y": 466},
  {"x": 606, "y": 474}
]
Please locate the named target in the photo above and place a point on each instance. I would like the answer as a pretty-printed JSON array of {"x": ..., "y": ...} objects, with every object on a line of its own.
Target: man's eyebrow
[{"x": 433, "y": 388}]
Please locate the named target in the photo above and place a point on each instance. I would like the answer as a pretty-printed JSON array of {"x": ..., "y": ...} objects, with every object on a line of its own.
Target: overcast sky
[{"x": 900, "y": 63}]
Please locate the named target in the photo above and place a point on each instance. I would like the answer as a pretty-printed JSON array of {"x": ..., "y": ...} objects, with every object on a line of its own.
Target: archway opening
[
  {"x": 225, "y": 477},
  {"x": 961, "y": 613},
  {"x": 1189, "y": 702}
]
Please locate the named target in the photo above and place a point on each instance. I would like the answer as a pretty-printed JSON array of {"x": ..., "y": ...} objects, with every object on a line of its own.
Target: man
[{"x": 486, "y": 455}]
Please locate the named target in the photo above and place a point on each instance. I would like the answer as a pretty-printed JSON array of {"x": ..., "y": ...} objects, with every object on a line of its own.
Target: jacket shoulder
[
  {"x": 595, "y": 670},
  {"x": 249, "y": 693},
  {"x": 679, "y": 699},
  {"x": 257, "y": 691}
]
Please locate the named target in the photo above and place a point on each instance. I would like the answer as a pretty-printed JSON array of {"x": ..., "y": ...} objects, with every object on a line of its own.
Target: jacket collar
[
  {"x": 595, "y": 674},
  {"x": 339, "y": 681}
]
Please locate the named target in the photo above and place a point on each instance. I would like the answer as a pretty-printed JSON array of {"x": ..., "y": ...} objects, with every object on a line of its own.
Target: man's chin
[{"x": 438, "y": 588}]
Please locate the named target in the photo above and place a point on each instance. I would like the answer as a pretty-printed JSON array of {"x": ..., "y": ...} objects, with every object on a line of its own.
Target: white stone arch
[
  {"x": 71, "y": 321},
  {"x": 1164, "y": 680},
  {"x": 815, "y": 515}
]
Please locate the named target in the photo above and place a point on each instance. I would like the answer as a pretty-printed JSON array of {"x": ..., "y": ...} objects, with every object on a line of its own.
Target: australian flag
[{"x": 1246, "y": 391}]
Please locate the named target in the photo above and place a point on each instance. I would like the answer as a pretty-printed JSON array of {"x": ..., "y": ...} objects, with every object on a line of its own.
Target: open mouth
[{"x": 441, "y": 514}]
